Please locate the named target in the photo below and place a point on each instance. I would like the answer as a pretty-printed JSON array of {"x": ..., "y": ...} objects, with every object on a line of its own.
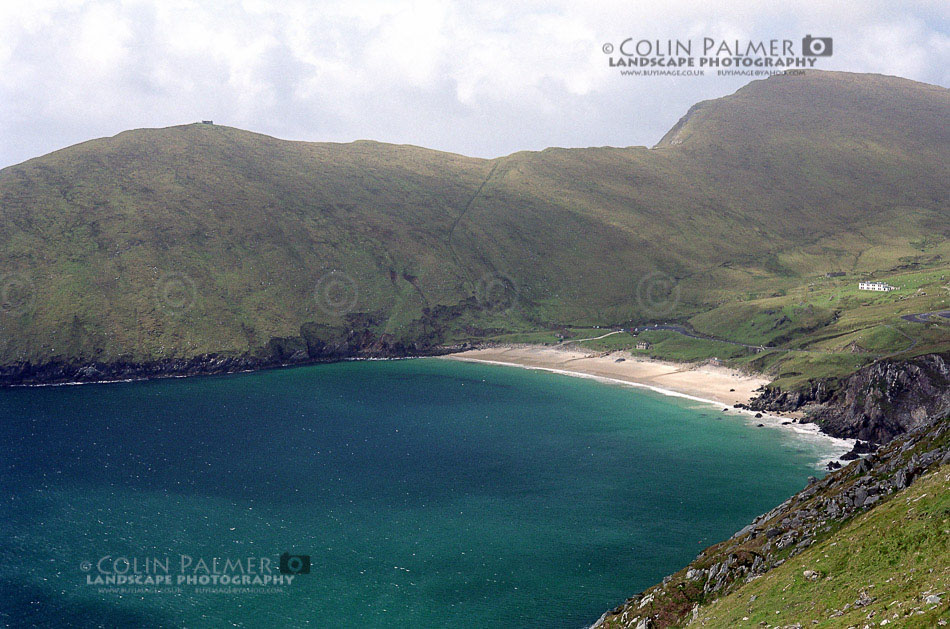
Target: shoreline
[
  {"x": 708, "y": 383},
  {"x": 690, "y": 381},
  {"x": 702, "y": 383},
  {"x": 205, "y": 365}
]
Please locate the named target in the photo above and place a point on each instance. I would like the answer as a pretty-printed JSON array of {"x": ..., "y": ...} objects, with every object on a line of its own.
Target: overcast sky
[{"x": 480, "y": 78}]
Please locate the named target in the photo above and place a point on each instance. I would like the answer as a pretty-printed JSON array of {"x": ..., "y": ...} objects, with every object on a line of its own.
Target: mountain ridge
[
  {"x": 202, "y": 240},
  {"x": 840, "y": 75}
]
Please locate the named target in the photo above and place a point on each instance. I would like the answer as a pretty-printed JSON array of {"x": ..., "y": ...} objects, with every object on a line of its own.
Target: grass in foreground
[{"x": 895, "y": 556}]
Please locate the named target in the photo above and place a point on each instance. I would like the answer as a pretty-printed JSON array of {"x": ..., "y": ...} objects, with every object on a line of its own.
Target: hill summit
[{"x": 166, "y": 246}]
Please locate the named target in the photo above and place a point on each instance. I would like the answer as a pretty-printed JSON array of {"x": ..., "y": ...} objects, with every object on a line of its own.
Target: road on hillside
[
  {"x": 925, "y": 317},
  {"x": 593, "y": 338},
  {"x": 913, "y": 341},
  {"x": 679, "y": 329}
]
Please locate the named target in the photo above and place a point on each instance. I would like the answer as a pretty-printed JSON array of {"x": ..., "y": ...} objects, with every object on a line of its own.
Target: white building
[{"x": 878, "y": 286}]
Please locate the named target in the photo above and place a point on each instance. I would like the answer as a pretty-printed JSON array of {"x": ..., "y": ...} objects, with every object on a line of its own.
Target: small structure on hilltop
[
  {"x": 877, "y": 286},
  {"x": 643, "y": 345},
  {"x": 207, "y": 122}
]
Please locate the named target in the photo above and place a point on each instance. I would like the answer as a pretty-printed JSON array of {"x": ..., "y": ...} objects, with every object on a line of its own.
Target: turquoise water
[{"x": 426, "y": 493}]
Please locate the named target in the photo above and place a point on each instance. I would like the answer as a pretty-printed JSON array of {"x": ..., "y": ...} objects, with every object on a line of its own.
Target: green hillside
[
  {"x": 868, "y": 545},
  {"x": 198, "y": 239},
  {"x": 892, "y": 559}
]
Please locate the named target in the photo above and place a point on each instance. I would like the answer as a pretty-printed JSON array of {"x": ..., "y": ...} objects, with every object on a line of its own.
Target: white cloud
[{"x": 481, "y": 78}]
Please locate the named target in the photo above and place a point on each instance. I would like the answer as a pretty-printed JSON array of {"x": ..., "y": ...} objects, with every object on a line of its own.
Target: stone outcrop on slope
[
  {"x": 876, "y": 403},
  {"x": 788, "y": 529}
]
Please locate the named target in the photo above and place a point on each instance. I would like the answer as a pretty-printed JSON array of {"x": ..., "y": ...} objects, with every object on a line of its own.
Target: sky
[{"x": 482, "y": 78}]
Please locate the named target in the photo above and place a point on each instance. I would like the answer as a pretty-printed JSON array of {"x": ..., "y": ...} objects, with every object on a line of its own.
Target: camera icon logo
[
  {"x": 816, "y": 46},
  {"x": 294, "y": 564}
]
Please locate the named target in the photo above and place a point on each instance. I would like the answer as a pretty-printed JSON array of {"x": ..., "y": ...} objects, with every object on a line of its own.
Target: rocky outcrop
[
  {"x": 876, "y": 403},
  {"x": 316, "y": 343},
  {"x": 361, "y": 335},
  {"x": 887, "y": 398},
  {"x": 58, "y": 371},
  {"x": 788, "y": 529},
  {"x": 775, "y": 400}
]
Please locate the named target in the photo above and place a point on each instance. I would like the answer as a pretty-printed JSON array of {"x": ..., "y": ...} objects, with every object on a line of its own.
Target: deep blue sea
[{"x": 426, "y": 493}]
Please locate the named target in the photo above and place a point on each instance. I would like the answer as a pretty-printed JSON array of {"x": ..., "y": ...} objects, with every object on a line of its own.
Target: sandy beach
[
  {"x": 708, "y": 382},
  {"x": 703, "y": 382}
]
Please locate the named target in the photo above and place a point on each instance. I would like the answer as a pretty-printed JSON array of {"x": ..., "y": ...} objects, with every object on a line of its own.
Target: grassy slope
[
  {"x": 895, "y": 550},
  {"x": 824, "y": 327},
  {"x": 897, "y": 553},
  {"x": 194, "y": 239}
]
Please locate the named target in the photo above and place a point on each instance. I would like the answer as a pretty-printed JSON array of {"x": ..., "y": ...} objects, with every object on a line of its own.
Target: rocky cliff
[
  {"x": 811, "y": 516},
  {"x": 315, "y": 344},
  {"x": 876, "y": 403}
]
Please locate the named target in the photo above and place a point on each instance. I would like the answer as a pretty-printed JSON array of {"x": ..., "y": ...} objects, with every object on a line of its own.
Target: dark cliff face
[
  {"x": 876, "y": 403},
  {"x": 315, "y": 344},
  {"x": 777, "y": 400},
  {"x": 362, "y": 335},
  {"x": 887, "y": 399}
]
